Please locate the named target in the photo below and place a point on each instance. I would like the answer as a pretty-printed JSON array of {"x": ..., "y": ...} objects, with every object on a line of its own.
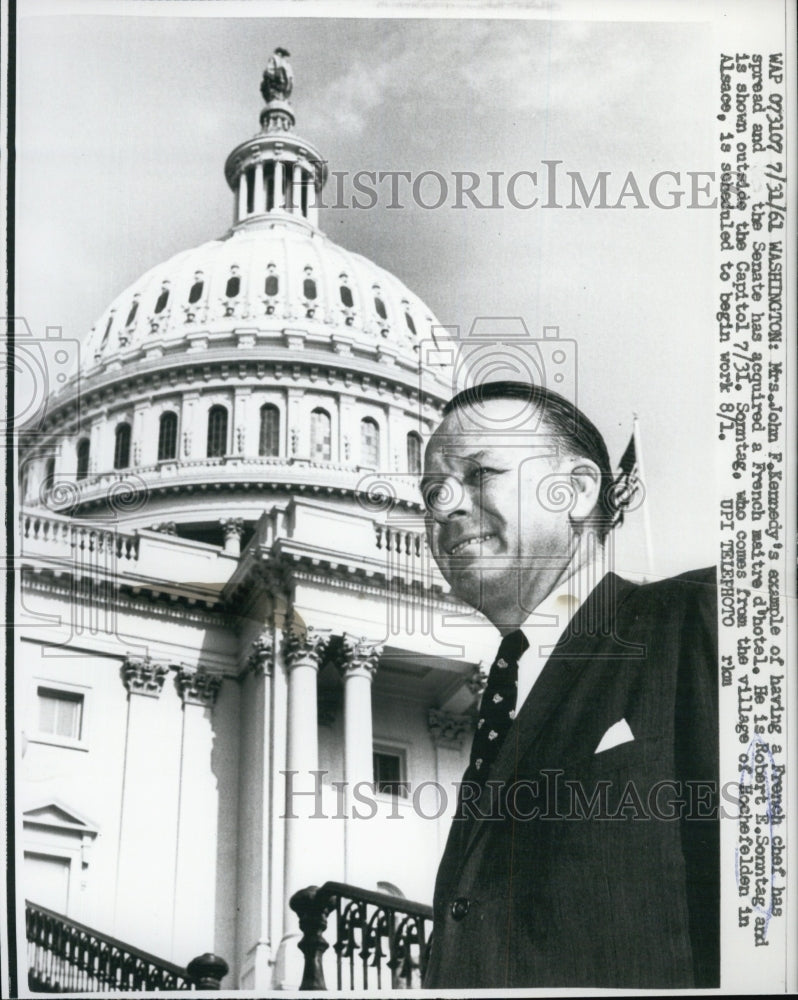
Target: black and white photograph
[{"x": 400, "y": 436}]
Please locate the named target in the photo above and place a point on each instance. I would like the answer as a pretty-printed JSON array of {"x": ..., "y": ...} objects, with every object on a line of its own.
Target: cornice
[{"x": 231, "y": 365}]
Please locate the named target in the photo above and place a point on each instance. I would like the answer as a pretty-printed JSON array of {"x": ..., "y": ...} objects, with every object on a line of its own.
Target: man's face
[{"x": 494, "y": 525}]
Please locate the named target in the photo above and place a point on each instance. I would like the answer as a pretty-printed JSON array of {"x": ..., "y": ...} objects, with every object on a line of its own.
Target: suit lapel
[{"x": 592, "y": 623}]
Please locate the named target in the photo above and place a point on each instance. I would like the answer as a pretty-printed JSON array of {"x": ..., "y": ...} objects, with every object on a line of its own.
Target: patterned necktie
[{"x": 497, "y": 709}]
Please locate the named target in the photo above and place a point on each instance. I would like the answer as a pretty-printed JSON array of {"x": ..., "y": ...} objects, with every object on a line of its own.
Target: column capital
[
  {"x": 478, "y": 679},
  {"x": 144, "y": 676},
  {"x": 232, "y": 527},
  {"x": 197, "y": 686},
  {"x": 260, "y": 659},
  {"x": 448, "y": 729},
  {"x": 306, "y": 647},
  {"x": 358, "y": 655},
  {"x": 165, "y": 527}
]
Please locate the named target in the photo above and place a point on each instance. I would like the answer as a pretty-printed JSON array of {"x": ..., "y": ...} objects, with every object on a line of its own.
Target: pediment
[{"x": 56, "y": 815}]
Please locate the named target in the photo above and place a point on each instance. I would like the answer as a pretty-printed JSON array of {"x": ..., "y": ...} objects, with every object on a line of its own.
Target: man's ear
[{"x": 585, "y": 479}]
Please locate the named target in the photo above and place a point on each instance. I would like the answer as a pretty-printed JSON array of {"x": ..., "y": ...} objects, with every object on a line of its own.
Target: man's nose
[{"x": 453, "y": 500}]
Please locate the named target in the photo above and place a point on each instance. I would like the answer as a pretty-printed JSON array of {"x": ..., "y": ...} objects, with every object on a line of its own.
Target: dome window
[
  {"x": 369, "y": 443},
  {"x": 320, "y": 435},
  {"x": 269, "y": 444},
  {"x": 379, "y": 307},
  {"x": 411, "y": 326},
  {"x": 414, "y": 453},
  {"x": 83, "y": 450},
  {"x": 163, "y": 298},
  {"x": 108, "y": 326},
  {"x": 122, "y": 446},
  {"x": 217, "y": 432},
  {"x": 272, "y": 286},
  {"x": 233, "y": 286},
  {"x": 134, "y": 308},
  {"x": 195, "y": 294},
  {"x": 346, "y": 296},
  {"x": 167, "y": 436},
  {"x": 309, "y": 288}
]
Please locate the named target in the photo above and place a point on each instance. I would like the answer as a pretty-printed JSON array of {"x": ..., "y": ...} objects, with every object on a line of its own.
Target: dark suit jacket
[{"x": 599, "y": 887}]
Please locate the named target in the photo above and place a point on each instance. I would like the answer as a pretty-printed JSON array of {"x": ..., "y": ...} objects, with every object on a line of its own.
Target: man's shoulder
[
  {"x": 694, "y": 587},
  {"x": 694, "y": 578}
]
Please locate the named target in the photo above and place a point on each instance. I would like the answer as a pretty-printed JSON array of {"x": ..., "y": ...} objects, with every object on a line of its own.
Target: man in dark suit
[{"x": 585, "y": 849}]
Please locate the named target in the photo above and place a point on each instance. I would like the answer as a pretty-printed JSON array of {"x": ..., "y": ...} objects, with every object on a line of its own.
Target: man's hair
[{"x": 568, "y": 424}]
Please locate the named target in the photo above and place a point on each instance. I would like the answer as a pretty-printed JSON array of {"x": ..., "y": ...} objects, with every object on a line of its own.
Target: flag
[{"x": 627, "y": 482}]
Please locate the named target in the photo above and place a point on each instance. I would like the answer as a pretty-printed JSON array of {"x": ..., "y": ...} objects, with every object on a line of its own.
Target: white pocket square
[{"x": 615, "y": 735}]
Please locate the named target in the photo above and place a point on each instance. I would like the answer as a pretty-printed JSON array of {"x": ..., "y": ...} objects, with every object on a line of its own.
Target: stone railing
[
  {"x": 380, "y": 940},
  {"x": 103, "y": 551},
  {"x": 67, "y": 957},
  {"x": 118, "y": 488}
]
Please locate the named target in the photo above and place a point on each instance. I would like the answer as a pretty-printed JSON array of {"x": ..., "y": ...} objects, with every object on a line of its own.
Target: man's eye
[{"x": 484, "y": 472}]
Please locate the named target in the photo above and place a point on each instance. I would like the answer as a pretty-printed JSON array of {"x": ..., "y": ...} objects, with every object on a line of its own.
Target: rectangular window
[
  {"x": 60, "y": 713},
  {"x": 389, "y": 773}
]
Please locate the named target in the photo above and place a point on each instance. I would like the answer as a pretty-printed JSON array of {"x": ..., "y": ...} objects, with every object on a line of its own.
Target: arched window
[
  {"x": 134, "y": 308},
  {"x": 272, "y": 286},
  {"x": 217, "y": 432},
  {"x": 233, "y": 286},
  {"x": 411, "y": 326},
  {"x": 167, "y": 436},
  {"x": 163, "y": 298},
  {"x": 309, "y": 288},
  {"x": 379, "y": 307},
  {"x": 346, "y": 296},
  {"x": 49, "y": 472},
  {"x": 414, "y": 453},
  {"x": 269, "y": 430},
  {"x": 122, "y": 446},
  {"x": 320, "y": 435},
  {"x": 83, "y": 458},
  {"x": 196, "y": 290},
  {"x": 369, "y": 443}
]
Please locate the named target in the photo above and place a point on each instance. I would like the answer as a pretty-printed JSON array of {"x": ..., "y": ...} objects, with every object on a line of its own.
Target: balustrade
[{"x": 67, "y": 957}]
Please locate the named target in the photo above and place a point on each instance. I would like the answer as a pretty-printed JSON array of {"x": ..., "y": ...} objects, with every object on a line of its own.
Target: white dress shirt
[{"x": 549, "y": 620}]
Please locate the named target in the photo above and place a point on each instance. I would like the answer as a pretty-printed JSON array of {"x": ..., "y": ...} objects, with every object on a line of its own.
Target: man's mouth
[{"x": 467, "y": 543}]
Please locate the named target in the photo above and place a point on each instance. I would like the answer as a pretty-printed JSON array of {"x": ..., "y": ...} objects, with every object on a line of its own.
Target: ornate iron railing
[
  {"x": 67, "y": 957},
  {"x": 380, "y": 940}
]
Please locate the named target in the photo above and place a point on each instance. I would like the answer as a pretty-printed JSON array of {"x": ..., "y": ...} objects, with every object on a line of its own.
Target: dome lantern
[{"x": 276, "y": 175}]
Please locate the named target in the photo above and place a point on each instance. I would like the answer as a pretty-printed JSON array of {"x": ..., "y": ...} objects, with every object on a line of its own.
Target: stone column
[
  {"x": 313, "y": 199},
  {"x": 358, "y": 664},
  {"x": 305, "y": 649},
  {"x": 242, "y": 195},
  {"x": 197, "y": 823},
  {"x": 279, "y": 193},
  {"x": 233, "y": 528},
  {"x": 259, "y": 204},
  {"x": 145, "y": 864},
  {"x": 188, "y": 408},
  {"x": 296, "y": 189}
]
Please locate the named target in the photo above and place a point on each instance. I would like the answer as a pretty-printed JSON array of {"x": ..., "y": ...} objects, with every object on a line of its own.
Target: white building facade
[{"x": 238, "y": 672}]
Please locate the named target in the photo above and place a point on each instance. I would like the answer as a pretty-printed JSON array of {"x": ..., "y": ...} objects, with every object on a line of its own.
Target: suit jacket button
[{"x": 459, "y": 908}]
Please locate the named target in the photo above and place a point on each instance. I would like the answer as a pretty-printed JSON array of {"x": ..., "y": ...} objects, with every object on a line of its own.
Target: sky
[{"x": 124, "y": 124}]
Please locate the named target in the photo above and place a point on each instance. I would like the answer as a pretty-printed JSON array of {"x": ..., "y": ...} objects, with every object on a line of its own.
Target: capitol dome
[{"x": 270, "y": 360}]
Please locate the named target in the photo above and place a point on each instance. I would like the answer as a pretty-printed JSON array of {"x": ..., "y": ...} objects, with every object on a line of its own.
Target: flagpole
[{"x": 646, "y": 505}]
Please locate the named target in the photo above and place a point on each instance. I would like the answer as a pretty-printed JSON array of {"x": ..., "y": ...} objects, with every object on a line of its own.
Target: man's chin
[{"x": 476, "y": 586}]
